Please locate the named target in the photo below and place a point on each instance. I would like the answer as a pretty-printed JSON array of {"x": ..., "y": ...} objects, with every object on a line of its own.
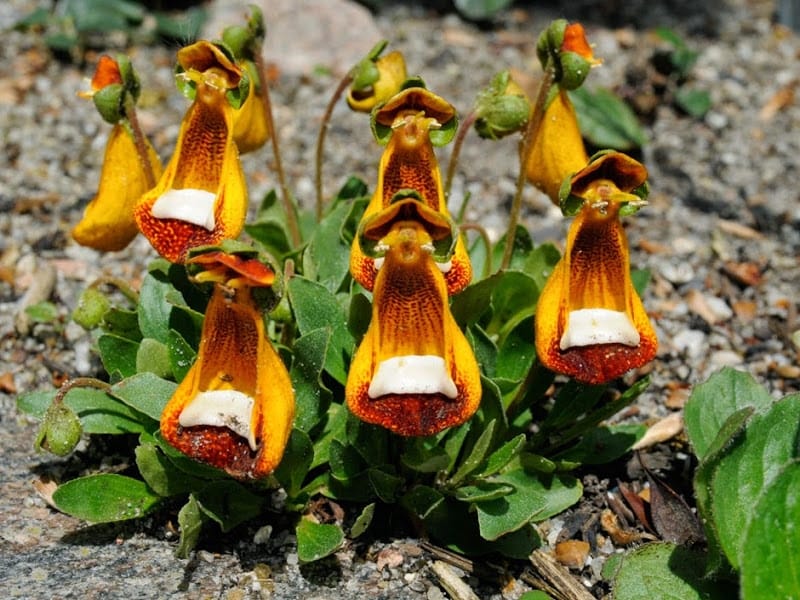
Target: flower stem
[
  {"x": 139, "y": 141},
  {"x": 288, "y": 205},
  {"x": 323, "y": 131},
  {"x": 466, "y": 125},
  {"x": 119, "y": 283},
  {"x": 531, "y": 132},
  {"x": 79, "y": 382}
]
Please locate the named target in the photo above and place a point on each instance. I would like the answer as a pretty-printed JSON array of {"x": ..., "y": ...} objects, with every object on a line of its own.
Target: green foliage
[
  {"x": 478, "y": 488},
  {"x": 677, "y": 62},
  {"x": 479, "y": 10},
  {"x": 606, "y": 121},
  {"x": 68, "y": 27},
  {"x": 747, "y": 486}
]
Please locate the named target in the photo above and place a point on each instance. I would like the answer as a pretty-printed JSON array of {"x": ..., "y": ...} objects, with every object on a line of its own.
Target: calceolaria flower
[
  {"x": 234, "y": 409},
  {"x": 376, "y": 79},
  {"x": 414, "y": 372},
  {"x": 201, "y": 199},
  {"x": 590, "y": 322},
  {"x": 108, "y": 222},
  {"x": 408, "y": 164},
  {"x": 557, "y": 151},
  {"x": 250, "y": 123}
]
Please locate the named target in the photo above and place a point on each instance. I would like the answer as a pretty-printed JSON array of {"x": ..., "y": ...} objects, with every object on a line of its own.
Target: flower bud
[
  {"x": 60, "y": 430},
  {"x": 92, "y": 307},
  {"x": 502, "y": 108},
  {"x": 110, "y": 101}
]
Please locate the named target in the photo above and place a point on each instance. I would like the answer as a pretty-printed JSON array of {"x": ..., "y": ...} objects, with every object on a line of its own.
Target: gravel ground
[{"x": 720, "y": 237}]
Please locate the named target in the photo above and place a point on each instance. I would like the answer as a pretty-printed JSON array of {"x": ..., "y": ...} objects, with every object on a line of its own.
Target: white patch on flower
[
  {"x": 445, "y": 267},
  {"x": 189, "y": 205},
  {"x": 378, "y": 263},
  {"x": 412, "y": 374},
  {"x": 222, "y": 408},
  {"x": 590, "y": 326}
]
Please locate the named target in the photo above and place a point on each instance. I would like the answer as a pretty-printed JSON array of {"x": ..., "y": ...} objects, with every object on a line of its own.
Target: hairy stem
[
  {"x": 288, "y": 205},
  {"x": 531, "y": 132},
  {"x": 323, "y": 131},
  {"x": 466, "y": 125}
]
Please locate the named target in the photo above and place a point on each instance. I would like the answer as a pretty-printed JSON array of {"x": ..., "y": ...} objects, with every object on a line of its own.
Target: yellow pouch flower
[
  {"x": 201, "y": 198},
  {"x": 590, "y": 322},
  {"x": 108, "y": 222},
  {"x": 234, "y": 409},
  {"x": 414, "y": 372},
  {"x": 408, "y": 164}
]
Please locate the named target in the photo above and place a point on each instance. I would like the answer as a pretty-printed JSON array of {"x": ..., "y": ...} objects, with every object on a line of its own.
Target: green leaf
[
  {"x": 695, "y": 103},
  {"x": 99, "y": 413},
  {"x": 482, "y": 491},
  {"x": 476, "y": 455},
  {"x": 327, "y": 257},
  {"x": 606, "y": 121},
  {"x": 540, "y": 264},
  {"x": 229, "y": 503},
  {"x": 712, "y": 402},
  {"x": 42, "y": 312},
  {"x": 535, "y": 497},
  {"x": 769, "y": 442},
  {"x": 190, "y": 522},
  {"x": 769, "y": 564},
  {"x": 502, "y": 456},
  {"x": 297, "y": 459},
  {"x": 181, "y": 355},
  {"x": 186, "y": 29},
  {"x": 424, "y": 455},
  {"x": 667, "y": 572},
  {"x": 535, "y": 595},
  {"x": 316, "y": 540},
  {"x": 468, "y": 306},
  {"x": 513, "y": 300},
  {"x": 603, "y": 444},
  {"x": 385, "y": 485},
  {"x": 118, "y": 355},
  {"x": 146, "y": 393},
  {"x": 163, "y": 477},
  {"x": 523, "y": 246},
  {"x": 122, "y": 323},
  {"x": 479, "y": 10},
  {"x": 269, "y": 227},
  {"x": 153, "y": 356},
  {"x": 316, "y": 308},
  {"x": 105, "y": 498},
  {"x": 363, "y": 521},
  {"x": 420, "y": 500},
  {"x": 312, "y": 398},
  {"x": 515, "y": 355}
]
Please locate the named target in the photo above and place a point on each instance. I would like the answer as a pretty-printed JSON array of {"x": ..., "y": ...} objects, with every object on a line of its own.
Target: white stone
[
  {"x": 222, "y": 408},
  {"x": 189, "y": 205},
  {"x": 412, "y": 374},
  {"x": 590, "y": 326}
]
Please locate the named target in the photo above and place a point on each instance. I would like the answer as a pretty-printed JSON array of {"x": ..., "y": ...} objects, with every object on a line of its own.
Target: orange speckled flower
[
  {"x": 590, "y": 322},
  {"x": 201, "y": 198},
  {"x": 558, "y": 149},
  {"x": 575, "y": 41},
  {"x": 408, "y": 164},
  {"x": 234, "y": 409},
  {"x": 414, "y": 372}
]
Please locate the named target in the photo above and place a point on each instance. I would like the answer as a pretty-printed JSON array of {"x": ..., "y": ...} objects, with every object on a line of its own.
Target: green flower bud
[
  {"x": 549, "y": 43},
  {"x": 574, "y": 69},
  {"x": 130, "y": 80},
  {"x": 110, "y": 102},
  {"x": 92, "y": 307},
  {"x": 60, "y": 431}
]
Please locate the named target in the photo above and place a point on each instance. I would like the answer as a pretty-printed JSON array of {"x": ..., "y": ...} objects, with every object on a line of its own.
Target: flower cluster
[{"x": 414, "y": 372}]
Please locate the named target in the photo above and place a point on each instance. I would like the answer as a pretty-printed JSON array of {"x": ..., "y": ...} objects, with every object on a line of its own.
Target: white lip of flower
[
  {"x": 412, "y": 374},
  {"x": 189, "y": 205},
  {"x": 222, "y": 408},
  {"x": 591, "y": 326}
]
